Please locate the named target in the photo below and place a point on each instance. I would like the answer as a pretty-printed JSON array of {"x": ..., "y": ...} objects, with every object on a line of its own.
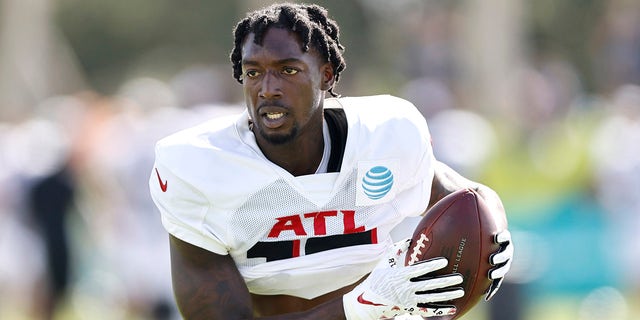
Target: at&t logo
[{"x": 377, "y": 182}]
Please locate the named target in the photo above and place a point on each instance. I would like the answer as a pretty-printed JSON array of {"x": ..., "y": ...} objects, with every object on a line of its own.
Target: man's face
[{"x": 283, "y": 85}]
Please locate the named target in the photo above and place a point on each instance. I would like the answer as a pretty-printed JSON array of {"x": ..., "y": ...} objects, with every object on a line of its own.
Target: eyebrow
[{"x": 279, "y": 62}]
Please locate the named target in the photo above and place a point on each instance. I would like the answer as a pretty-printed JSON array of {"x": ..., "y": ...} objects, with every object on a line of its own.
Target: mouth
[{"x": 273, "y": 117}]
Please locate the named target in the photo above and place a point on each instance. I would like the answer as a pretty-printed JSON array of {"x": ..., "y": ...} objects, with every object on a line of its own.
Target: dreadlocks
[{"x": 310, "y": 22}]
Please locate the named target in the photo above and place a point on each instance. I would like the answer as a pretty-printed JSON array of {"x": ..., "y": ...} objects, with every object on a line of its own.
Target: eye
[
  {"x": 251, "y": 73},
  {"x": 289, "y": 70}
]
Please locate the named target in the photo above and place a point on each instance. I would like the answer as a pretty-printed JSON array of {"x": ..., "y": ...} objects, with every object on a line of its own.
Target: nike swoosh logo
[
  {"x": 163, "y": 185},
  {"x": 363, "y": 301}
]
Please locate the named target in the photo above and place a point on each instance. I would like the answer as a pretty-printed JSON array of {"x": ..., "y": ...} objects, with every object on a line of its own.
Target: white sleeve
[
  {"x": 419, "y": 195},
  {"x": 183, "y": 208},
  {"x": 421, "y": 177}
]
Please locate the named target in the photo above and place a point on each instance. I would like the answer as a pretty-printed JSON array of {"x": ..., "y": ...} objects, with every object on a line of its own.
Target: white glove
[
  {"x": 393, "y": 289},
  {"x": 502, "y": 261}
]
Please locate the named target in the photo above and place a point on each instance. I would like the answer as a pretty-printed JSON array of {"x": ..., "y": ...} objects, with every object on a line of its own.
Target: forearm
[
  {"x": 202, "y": 307},
  {"x": 332, "y": 310},
  {"x": 209, "y": 286},
  {"x": 199, "y": 308}
]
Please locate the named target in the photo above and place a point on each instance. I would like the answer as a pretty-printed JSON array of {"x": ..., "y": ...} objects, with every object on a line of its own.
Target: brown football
[{"x": 461, "y": 228}]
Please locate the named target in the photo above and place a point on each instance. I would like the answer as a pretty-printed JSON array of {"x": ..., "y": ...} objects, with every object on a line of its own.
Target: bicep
[
  {"x": 207, "y": 285},
  {"x": 447, "y": 180}
]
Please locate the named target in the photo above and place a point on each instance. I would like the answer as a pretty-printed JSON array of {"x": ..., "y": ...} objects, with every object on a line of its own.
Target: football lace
[{"x": 417, "y": 249}]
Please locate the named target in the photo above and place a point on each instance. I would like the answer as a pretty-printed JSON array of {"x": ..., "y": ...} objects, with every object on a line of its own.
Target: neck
[{"x": 303, "y": 154}]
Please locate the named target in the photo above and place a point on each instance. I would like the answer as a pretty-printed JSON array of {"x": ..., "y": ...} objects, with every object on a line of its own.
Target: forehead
[{"x": 277, "y": 43}]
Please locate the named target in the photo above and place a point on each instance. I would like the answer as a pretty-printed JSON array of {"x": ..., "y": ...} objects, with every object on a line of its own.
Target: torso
[{"x": 288, "y": 234}]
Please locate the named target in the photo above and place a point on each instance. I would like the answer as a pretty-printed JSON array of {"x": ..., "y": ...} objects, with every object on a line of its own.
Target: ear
[{"x": 328, "y": 77}]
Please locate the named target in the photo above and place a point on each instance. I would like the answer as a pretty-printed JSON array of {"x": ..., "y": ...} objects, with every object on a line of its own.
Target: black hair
[{"x": 310, "y": 22}]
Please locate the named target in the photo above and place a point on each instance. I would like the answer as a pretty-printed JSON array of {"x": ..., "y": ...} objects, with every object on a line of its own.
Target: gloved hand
[
  {"x": 393, "y": 289},
  {"x": 502, "y": 261}
]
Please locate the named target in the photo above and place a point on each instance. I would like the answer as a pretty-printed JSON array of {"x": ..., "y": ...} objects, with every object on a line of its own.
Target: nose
[{"x": 270, "y": 86}]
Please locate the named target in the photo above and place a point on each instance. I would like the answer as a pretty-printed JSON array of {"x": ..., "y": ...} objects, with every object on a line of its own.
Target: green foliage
[
  {"x": 111, "y": 37},
  {"x": 566, "y": 28}
]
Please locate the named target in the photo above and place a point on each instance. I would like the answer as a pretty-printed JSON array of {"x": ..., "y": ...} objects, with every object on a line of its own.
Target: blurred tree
[
  {"x": 114, "y": 39},
  {"x": 35, "y": 62},
  {"x": 565, "y": 28}
]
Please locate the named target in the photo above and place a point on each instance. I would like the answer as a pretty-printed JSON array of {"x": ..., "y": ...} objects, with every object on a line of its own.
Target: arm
[
  {"x": 209, "y": 286},
  {"x": 447, "y": 180}
]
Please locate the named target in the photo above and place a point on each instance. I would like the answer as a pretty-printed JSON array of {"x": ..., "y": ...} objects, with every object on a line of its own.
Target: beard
[{"x": 278, "y": 138}]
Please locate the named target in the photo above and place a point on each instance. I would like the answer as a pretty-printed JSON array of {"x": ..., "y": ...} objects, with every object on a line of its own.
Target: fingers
[
  {"x": 503, "y": 236},
  {"x": 418, "y": 274},
  {"x": 439, "y": 296},
  {"x": 422, "y": 268},
  {"x": 504, "y": 239},
  {"x": 495, "y": 285},
  {"x": 425, "y": 312},
  {"x": 395, "y": 254},
  {"x": 502, "y": 256},
  {"x": 430, "y": 265},
  {"x": 436, "y": 282},
  {"x": 401, "y": 245},
  {"x": 434, "y": 311},
  {"x": 499, "y": 272}
]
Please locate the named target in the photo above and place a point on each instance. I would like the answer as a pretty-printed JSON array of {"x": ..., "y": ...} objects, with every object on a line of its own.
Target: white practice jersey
[{"x": 302, "y": 236}]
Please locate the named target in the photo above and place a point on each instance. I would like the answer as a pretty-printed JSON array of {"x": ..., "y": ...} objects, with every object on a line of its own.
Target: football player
[{"x": 285, "y": 211}]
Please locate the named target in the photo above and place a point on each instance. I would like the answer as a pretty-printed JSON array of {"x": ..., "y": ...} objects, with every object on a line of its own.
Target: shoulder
[
  {"x": 202, "y": 132},
  {"x": 387, "y": 127},
  {"x": 204, "y": 154},
  {"x": 383, "y": 113},
  {"x": 216, "y": 159},
  {"x": 194, "y": 143},
  {"x": 379, "y": 103}
]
